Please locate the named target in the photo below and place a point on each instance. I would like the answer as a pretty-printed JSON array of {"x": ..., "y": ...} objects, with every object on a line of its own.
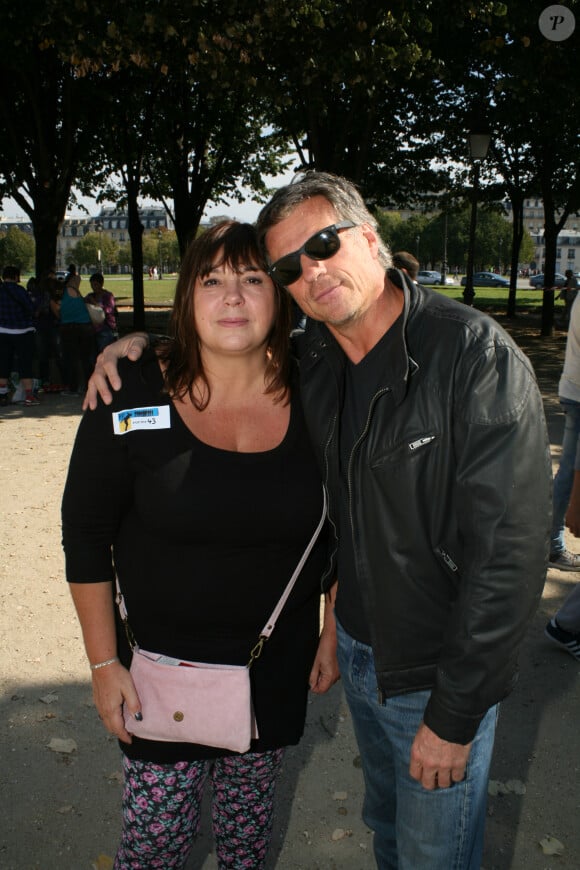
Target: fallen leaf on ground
[
  {"x": 65, "y": 745},
  {"x": 551, "y": 846},
  {"x": 512, "y": 786},
  {"x": 103, "y": 862},
  {"x": 516, "y": 786},
  {"x": 116, "y": 776}
]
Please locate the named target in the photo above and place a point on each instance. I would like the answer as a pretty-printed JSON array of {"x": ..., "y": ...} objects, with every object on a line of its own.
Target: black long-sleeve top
[{"x": 203, "y": 541}]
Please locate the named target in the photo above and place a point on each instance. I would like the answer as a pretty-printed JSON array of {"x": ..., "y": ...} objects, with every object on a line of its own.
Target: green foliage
[
  {"x": 427, "y": 238},
  {"x": 191, "y": 102},
  {"x": 17, "y": 249},
  {"x": 95, "y": 250},
  {"x": 45, "y": 114},
  {"x": 161, "y": 248}
]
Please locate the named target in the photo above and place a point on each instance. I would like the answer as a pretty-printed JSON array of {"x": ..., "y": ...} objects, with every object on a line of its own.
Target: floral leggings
[{"x": 162, "y": 802}]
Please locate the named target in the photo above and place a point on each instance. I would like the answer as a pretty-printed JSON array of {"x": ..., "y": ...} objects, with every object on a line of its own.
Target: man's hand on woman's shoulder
[{"x": 105, "y": 377}]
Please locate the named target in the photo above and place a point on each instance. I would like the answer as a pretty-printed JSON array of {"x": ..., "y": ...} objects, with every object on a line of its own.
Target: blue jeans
[
  {"x": 414, "y": 829},
  {"x": 569, "y": 462}
]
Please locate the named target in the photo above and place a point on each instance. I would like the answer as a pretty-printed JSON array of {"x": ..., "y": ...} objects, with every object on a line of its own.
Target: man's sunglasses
[{"x": 322, "y": 245}]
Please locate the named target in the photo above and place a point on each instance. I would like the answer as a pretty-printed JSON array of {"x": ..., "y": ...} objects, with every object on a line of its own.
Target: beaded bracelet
[{"x": 104, "y": 664}]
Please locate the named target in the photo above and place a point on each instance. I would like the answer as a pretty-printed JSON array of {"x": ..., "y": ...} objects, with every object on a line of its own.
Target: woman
[
  {"x": 105, "y": 332},
  {"x": 208, "y": 515},
  {"x": 77, "y": 336}
]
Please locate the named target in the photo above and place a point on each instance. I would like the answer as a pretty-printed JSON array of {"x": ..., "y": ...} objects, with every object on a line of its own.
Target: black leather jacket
[{"x": 450, "y": 502}]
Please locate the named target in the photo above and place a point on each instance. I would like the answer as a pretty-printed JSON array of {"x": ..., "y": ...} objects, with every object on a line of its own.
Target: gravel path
[{"x": 60, "y": 772}]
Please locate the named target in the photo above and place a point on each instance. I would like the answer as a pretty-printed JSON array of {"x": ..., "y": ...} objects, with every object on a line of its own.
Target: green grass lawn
[{"x": 121, "y": 286}]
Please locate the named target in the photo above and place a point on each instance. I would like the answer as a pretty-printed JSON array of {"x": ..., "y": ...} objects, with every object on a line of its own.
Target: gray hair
[{"x": 342, "y": 195}]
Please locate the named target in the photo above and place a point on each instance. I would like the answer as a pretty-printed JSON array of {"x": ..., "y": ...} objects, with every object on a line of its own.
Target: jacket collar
[{"x": 398, "y": 366}]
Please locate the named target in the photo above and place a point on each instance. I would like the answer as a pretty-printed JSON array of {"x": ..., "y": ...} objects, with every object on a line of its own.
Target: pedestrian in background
[
  {"x": 407, "y": 262},
  {"x": 563, "y": 628},
  {"x": 569, "y": 292},
  {"x": 105, "y": 332},
  {"x": 77, "y": 336},
  {"x": 17, "y": 342}
]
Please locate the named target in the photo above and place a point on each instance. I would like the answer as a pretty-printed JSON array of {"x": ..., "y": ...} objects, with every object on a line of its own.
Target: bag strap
[{"x": 271, "y": 623}]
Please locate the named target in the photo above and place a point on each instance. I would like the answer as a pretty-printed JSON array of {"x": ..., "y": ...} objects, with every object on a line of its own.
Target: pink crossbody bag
[{"x": 199, "y": 702}]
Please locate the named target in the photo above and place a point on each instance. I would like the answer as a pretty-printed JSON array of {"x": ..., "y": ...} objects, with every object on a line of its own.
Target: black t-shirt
[
  {"x": 204, "y": 542},
  {"x": 361, "y": 381}
]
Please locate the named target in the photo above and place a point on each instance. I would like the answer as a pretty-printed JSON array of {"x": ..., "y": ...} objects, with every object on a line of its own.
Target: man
[
  {"x": 17, "y": 341},
  {"x": 569, "y": 293},
  {"x": 564, "y": 628},
  {"x": 407, "y": 263},
  {"x": 569, "y": 395},
  {"x": 431, "y": 437}
]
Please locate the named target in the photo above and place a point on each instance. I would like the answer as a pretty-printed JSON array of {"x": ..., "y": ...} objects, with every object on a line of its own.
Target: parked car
[
  {"x": 61, "y": 274},
  {"x": 537, "y": 281},
  {"x": 487, "y": 279},
  {"x": 426, "y": 277},
  {"x": 432, "y": 277}
]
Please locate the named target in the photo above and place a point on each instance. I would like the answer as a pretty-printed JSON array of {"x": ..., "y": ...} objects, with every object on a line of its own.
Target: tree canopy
[{"x": 190, "y": 102}]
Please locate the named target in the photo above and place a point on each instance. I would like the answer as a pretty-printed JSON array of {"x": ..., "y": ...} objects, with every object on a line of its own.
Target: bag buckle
[{"x": 256, "y": 652}]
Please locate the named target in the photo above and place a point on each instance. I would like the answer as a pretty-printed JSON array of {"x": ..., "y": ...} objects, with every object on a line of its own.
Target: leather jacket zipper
[
  {"x": 448, "y": 560},
  {"x": 420, "y": 442},
  {"x": 325, "y": 482},
  {"x": 361, "y": 438}
]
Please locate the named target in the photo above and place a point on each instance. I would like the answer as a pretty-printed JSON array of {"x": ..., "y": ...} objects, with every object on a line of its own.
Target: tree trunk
[
  {"x": 517, "y": 202},
  {"x": 549, "y": 268},
  {"x": 46, "y": 214},
  {"x": 136, "y": 236}
]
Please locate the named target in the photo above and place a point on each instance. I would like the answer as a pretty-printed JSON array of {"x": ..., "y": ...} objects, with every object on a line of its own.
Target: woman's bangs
[{"x": 236, "y": 247}]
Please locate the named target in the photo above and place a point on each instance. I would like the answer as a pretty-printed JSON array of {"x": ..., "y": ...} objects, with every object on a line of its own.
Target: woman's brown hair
[{"x": 237, "y": 247}]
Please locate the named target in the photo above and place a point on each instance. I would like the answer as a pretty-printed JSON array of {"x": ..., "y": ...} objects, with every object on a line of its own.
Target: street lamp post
[
  {"x": 478, "y": 147},
  {"x": 99, "y": 229},
  {"x": 159, "y": 237},
  {"x": 444, "y": 261},
  {"x": 417, "y": 240}
]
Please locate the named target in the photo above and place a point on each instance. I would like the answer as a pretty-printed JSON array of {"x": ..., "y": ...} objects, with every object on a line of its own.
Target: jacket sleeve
[{"x": 504, "y": 491}]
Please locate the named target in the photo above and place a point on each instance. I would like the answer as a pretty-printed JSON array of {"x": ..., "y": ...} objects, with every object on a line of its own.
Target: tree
[
  {"x": 125, "y": 258},
  {"x": 96, "y": 251},
  {"x": 403, "y": 235},
  {"x": 17, "y": 249},
  {"x": 427, "y": 237},
  {"x": 44, "y": 114},
  {"x": 510, "y": 80},
  {"x": 194, "y": 127}
]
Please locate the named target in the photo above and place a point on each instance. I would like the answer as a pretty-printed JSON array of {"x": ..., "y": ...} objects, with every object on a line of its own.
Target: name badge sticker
[{"x": 150, "y": 419}]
